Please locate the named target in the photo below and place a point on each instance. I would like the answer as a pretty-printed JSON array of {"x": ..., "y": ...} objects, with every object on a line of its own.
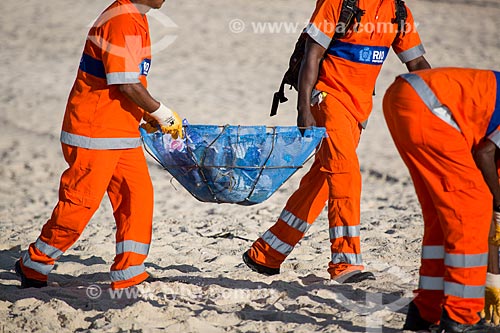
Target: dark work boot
[
  {"x": 258, "y": 267},
  {"x": 26, "y": 282},
  {"x": 448, "y": 325},
  {"x": 414, "y": 322}
]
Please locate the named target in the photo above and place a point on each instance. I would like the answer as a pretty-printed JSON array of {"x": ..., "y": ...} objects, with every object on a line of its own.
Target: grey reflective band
[
  {"x": 319, "y": 36},
  {"x": 431, "y": 283},
  {"x": 430, "y": 99},
  {"x": 412, "y": 53},
  {"x": 495, "y": 138},
  {"x": 459, "y": 290},
  {"x": 294, "y": 222},
  {"x": 48, "y": 250},
  {"x": 127, "y": 274},
  {"x": 36, "y": 266},
  {"x": 432, "y": 252},
  {"x": 132, "y": 246},
  {"x": 99, "y": 143},
  {"x": 122, "y": 78},
  {"x": 348, "y": 258},
  {"x": 345, "y": 231},
  {"x": 466, "y": 261},
  {"x": 277, "y": 244}
]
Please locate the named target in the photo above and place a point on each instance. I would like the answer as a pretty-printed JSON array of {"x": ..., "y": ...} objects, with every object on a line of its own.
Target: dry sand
[{"x": 213, "y": 76}]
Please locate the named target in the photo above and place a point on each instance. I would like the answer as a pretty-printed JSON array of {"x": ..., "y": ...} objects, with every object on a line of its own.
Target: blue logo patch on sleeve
[{"x": 145, "y": 66}]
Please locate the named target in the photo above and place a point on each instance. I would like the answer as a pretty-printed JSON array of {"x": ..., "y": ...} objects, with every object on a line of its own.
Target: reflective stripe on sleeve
[
  {"x": 277, "y": 244},
  {"x": 345, "y": 231},
  {"x": 430, "y": 99},
  {"x": 495, "y": 138},
  {"x": 132, "y": 246},
  {"x": 127, "y": 274},
  {"x": 412, "y": 53},
  {"x": 294, "y": 222},
  {"x": 48, "y": 250},
  {"x": 122, "y": 78},
  {"x": 319, "y": 36},
  {"x": 432, "y": 252},
  {"x": 36, "y": 266},
  {"x": 348, "y": 258},
  {"x": 99, "y": 143}
]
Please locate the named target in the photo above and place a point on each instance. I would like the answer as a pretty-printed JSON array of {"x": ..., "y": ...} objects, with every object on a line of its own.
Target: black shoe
[
  {"x": 359, "y": 277},
  {"x": 448, "y": 325},
  {"x": 25, "y": 282},
  {"x": 259, "y": 268},
  {"x": 413, "y": 320}
]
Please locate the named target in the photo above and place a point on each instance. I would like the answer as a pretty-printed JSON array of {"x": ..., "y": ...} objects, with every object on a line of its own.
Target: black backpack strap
[
  {"x": 401, "y": 17},
  {"x": 279, "y": 97},
  {"x": 350, "y": 14}
]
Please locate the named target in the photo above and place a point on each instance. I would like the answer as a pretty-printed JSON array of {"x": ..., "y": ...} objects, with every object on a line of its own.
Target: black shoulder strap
[
  {"x": 350, "y": 14},
  {"x": 401, "y": 16}
]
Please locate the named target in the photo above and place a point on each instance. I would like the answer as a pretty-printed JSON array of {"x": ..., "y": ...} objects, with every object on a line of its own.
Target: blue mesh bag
[{"x": 233, "y": 164}]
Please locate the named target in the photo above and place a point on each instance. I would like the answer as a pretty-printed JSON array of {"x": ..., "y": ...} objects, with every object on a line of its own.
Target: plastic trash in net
[{"x": 233, "y": 164}]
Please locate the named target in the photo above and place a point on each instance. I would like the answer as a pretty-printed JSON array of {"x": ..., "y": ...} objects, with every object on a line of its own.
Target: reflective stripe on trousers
[
  {"x": 295, "y": 223},
  {"x": 127, "y": 274},
  {"x": 437, "y": 252},
  {"x": 132, "y": 246},
  {"x": 36, "y": 266},
  {"x": 46, "y": 249}
]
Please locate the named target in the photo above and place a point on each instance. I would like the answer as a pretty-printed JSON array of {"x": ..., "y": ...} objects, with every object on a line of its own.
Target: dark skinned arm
[
  {"x": 138, "y": 94},
  {"x": 417, "y": 64},
  {"x": 308, "y": 75},
  {"x": 485, "y": 161},
  {"x": 484, "y": 156}
]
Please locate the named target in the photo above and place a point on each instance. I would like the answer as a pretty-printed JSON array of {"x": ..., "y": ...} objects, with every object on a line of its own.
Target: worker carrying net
[{"x": 233, "y": 164}]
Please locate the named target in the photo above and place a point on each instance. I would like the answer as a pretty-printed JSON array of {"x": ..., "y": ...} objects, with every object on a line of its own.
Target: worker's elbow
[
  {"x": 125, "y": 88},
  {"x": 483, "y": 156}
]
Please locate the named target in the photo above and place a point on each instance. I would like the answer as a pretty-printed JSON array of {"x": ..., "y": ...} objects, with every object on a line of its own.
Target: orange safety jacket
[
  {"x": 476, "y": 113},
  {"x": 117, "y": 51},
  {"x": 353, "y": 63}
]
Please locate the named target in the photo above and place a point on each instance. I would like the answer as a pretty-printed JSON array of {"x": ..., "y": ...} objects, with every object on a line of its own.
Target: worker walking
[
  {"x": 102, "y": 146},
  {"x": 341, "y": 101},
  {"x": 446, "y": 126}
]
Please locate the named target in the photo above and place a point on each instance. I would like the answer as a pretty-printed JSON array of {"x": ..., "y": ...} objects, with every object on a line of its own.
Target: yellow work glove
[
  {"x": 168, "y": 120},
  {"x": 491, "y": 312},
  {"x": 495, "y": 240}
]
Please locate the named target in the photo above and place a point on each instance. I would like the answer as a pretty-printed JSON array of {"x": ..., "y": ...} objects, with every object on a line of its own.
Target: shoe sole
[
  {"x": 354, "y": 276},
  {"x": 255, "y": 267}
]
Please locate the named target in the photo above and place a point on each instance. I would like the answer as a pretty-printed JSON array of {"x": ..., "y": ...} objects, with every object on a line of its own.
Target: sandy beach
[{"x": 214, "y": 62}]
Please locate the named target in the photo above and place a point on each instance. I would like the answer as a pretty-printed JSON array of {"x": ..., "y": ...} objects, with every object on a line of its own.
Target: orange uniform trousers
[
  {"x": 335, "y": 178},
  {"x": 124, "y": 175},
  {"x": 456, "y": 207}
]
